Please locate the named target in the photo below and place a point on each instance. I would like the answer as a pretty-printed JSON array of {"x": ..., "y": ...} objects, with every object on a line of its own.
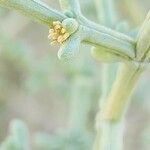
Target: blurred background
[{"x": 40, "y": 90}]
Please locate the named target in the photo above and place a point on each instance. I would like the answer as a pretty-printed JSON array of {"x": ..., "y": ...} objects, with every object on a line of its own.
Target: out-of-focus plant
[
  {"x": 76, "y": 137},
  {"x": 18, "y": 138},
  {"x": 70, "y": 29},
  {"x": 81, "y": 94},
  {"x": 10, "y": 54}
]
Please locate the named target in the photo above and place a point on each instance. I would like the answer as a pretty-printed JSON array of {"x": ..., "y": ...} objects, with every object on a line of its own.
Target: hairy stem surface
[{"x": 34, "y": 9}]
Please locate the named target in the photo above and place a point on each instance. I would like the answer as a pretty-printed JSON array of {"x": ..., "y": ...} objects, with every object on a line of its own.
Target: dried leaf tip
[{"x": 57, "y": 33}]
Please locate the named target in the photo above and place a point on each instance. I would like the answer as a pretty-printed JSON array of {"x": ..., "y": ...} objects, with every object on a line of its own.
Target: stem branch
[
  {"x": 37, "y": 10},
  {"x": 121, "y": 90}
]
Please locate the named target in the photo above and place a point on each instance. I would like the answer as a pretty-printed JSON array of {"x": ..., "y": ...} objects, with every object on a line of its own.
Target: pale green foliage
[
  {"x": 109, "y": 46},
  {"x": 71, "y": 25},
  {"x": 116, "y": 42},
  {"x": 18, "y": 138},
  {"x": 64, "y": 141},
  {"x": 77, "y": 138}
]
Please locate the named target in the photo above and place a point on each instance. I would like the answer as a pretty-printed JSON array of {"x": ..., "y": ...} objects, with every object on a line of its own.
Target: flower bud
[{"x": 71, "y": 25}]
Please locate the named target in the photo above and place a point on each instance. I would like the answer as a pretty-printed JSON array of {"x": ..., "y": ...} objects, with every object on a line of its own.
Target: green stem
[
  {"x": 115, "y": 45},
  {"x": 119, "y": 43},
  {"x": 106, "y": 130},
  {"x": 35, "y": 9},
  {"x": 113, "y": 103},
  {"x": 108, "y": 76},
  {"x": 109, "y": 120},
  {"x": 105, "y": 30},
  {"x": 109, "y": 136},
  {"x": 122, "y": 88}
]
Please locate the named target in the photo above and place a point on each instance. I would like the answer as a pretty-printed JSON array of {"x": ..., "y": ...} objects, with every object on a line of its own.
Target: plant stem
[
  {"x": 118, "y": 43},
  {"x": 109, "y": 119},
  {"x": 109, "y": 136},
  {"x": 115, "y": 45},
  {"x": 106, "y": 130},
  {"x": 122, "y": 88},
  {"x": 35, "y": 9},
  {"x": 108, "y": 76},
  {"x": 113, "y": 103}
]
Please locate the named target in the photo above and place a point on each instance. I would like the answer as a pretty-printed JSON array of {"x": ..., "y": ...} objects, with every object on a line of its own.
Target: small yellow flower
[{"x": 57, "y": 33}]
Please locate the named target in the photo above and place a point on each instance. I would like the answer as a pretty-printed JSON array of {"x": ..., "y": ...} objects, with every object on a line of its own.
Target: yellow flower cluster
[{"x": 57, "y": 33}]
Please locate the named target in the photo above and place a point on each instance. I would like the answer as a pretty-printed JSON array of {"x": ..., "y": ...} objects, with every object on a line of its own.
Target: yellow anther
[
  {"x": 49, "y": 36},
  {"x": 66, "y": 35},
  {"x": 53, "y": 36},
  {"x": 56, "y": 27},
  {"x": 53, "y": 43},
  {"x": 63, "y": 30},
  {"x": 56, "y": 23},
  {"x": 51, "y": 31},
  {"x": 60, "y": 39},
  {"x": 57, "y": 33}
]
